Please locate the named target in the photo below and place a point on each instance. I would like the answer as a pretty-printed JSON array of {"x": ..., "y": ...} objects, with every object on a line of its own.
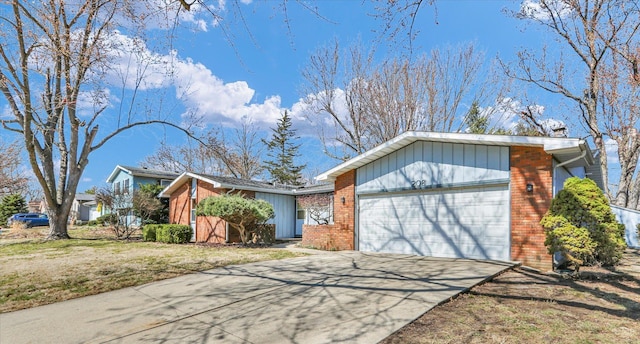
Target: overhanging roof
[
  {"x": 142, "y": 172},
  {"x": 243, "y": 184},
  {"x": 568, "y": 150}
]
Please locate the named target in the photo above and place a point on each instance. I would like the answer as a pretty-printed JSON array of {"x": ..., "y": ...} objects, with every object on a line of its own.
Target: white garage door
[{"x": 462, "y": 223}]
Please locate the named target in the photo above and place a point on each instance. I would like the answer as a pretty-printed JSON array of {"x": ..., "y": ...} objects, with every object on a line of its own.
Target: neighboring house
[
  {"x": 84, "y": 208},
  {"x": 127, "y": 179},
  {"x": 38, "y": 207},
  {"x": 189, "y": 189},
  {"x": 452, "y": 195},
  {"x": 35, "y": 206}
]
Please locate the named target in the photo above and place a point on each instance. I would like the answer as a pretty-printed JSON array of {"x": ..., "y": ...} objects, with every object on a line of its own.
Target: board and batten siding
[
  {"x": 285, "y": 210},
  {"x": 630, "y": 218},
  {"x": 423, "y": 165}
]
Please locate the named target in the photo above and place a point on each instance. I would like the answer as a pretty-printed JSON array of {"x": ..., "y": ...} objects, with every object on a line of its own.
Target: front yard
[
  {"x": 524, "y": 307},
  {"x": 34, "y": 272}
]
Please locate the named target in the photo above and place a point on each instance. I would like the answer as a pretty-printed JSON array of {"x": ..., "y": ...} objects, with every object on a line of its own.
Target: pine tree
[
  {"x": 11, "y": 204},
  {"x": 282, "y": 151},
  {"x": 477, "y": 123}
]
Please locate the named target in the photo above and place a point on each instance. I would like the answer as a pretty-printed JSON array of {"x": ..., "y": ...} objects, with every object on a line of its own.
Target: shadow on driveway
[{"x": 338, "y": 297}]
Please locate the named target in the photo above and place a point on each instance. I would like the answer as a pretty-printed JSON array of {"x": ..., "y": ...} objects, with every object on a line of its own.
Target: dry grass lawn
[
  {"x": 35, "y": 272},
  {"x": 519, "y": 306}
]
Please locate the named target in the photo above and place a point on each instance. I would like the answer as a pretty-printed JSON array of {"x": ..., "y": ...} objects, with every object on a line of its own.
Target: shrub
[
  {"x": 173, "y": 234},
  {"x": 575, "y": 243},
  {"x": 149, "y": 232},
  {"x": 581, "y": 226},
  {"x": 240, "y": 213},
  {"x": 92, "y": 223}
]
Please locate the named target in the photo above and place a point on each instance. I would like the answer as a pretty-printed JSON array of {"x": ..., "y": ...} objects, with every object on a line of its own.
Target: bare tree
[
  {"x": 592, "y": 32},
  {"x": 368, "y": 104},
  {"x": 620, "y": 112},
  {"x": 318, "y": 206},
  {"x": 119, "y": 206},
  {"x": 13, "y": 180},
  {"x": 53, "y": 56},
  {"x": 239, "y": 156}
]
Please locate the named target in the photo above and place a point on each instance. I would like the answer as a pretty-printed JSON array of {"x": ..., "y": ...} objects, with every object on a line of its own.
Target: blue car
[{"x": 30, "y": 219}]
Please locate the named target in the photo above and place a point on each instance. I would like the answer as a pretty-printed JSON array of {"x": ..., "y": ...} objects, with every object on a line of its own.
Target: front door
[{"x": 301, "y": 214}]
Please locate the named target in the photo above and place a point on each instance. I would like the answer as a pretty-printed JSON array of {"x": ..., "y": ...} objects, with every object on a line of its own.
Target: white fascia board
[
  {"x": 169, "y": 189},
  {"x": 113, "y": 174},
  {"x": 549, "y": 144},
  {"x": 183, "y": 178}
]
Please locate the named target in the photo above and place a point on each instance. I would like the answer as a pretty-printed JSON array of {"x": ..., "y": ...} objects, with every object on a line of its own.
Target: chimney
[{"x": 559, "y": 131}]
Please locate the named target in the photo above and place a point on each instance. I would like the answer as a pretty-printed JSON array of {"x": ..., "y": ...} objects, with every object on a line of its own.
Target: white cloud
[
  {"x": 611, "y": 146},
  {"x": 540, "y": 10},
  {"x": 203, "y": 94},
  {"x": 504, "y": 113},
  {"x": 216, "y": 101},
  {"x": 309, "y": 110},
  {"x": 90, "y": 101}
]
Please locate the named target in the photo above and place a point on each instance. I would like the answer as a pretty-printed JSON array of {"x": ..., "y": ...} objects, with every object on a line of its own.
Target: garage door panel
[{"x": 457, "y": 223}]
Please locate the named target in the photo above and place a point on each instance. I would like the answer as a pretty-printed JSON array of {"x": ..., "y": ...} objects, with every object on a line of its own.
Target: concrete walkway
[{"x": 338, "y": 297}]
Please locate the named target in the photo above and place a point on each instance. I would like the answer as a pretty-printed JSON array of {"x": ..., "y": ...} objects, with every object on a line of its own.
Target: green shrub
[
  {"x": 173, "y": 234},
  {"x": 149, "y": 232},
  {"x": 240, "y": 213},
  {"x": 581, "y": 226},
  {"x": 92, "y": 223}
]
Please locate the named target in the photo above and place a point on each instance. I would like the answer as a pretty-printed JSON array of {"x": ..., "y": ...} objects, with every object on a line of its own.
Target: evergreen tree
[
  {"x": 282, "y": 151},
  {"x": 11, "y": 204},
  {"x": 476, "y": 122}
]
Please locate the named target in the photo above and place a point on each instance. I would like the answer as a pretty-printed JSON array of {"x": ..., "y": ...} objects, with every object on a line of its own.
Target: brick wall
[
  {"x": 327, "y": 237},
  {"x": 208, "y": 228},
  {"x": 179, "y": 205},
  {"x": 530, "y": 165},
  {"x": 344, "y": 215}
]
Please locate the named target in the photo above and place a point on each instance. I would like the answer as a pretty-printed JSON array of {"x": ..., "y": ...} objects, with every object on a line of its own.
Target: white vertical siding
[
  {"x": 630, "y": 218},
  {"x": 434, "y": 163},
  {"x": 561, "y": 174},
  {"x": 284, "y": 207}
]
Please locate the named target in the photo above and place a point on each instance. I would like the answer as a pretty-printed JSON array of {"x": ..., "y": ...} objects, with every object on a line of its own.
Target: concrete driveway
[{"x": 349, "y": 297}]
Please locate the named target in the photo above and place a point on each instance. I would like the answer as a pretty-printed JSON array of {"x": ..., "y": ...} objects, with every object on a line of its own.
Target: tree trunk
[{"x": 58, "y": 223}]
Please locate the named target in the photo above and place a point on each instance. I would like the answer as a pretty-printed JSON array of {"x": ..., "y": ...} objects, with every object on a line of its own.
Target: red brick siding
[
  {"x": 327, "y": 237},
  {"x": 530, "y": 165},
  {"x": 208, "y": 228},
  {"x": 212, "y": 229},
  {"x": 179, "y": 205},
  {"x": 344, "y": 215}
]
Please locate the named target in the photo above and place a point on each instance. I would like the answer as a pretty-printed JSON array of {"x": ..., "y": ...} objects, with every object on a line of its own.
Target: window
[
  {"x": 116, "y": 187},
  {"x": 165, "y": 182},
  {"x": 301, "y": 214},
  {"x": 193, "y": 210},
  {"x": 125, "y": 186}
]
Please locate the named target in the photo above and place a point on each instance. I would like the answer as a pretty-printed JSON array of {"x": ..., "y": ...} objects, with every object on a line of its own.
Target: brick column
[
  {"x": 530, "y": 165},
  {"x": 344, "y": 215}
]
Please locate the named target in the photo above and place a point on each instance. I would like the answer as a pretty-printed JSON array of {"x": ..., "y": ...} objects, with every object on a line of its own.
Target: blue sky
[{"x": 261, "y": 77}]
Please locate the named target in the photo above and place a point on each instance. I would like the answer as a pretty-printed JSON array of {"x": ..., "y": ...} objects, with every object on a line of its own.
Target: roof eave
[
  {"x": 549, "y": 144},
  {"x": 115, "y": 172}
]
